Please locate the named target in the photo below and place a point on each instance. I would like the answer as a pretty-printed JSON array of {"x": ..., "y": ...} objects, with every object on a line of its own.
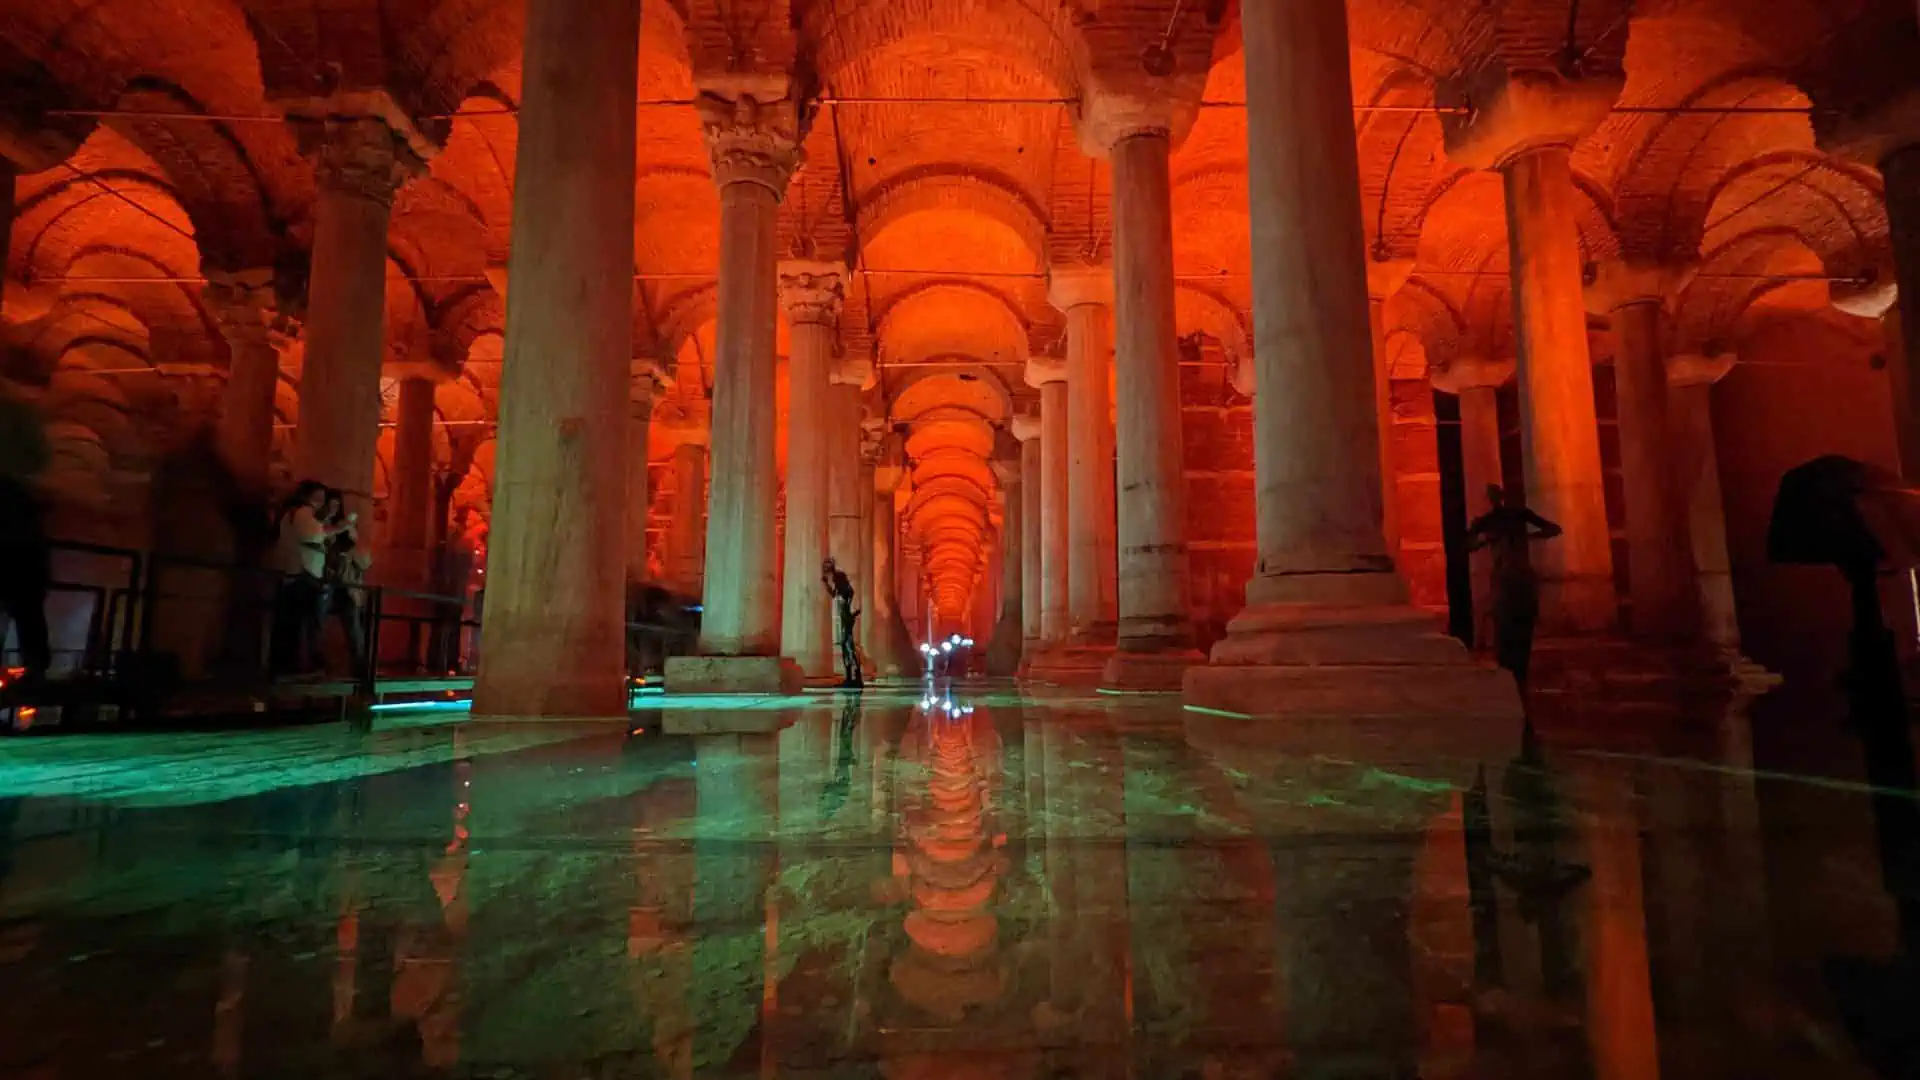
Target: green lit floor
[{"x": 958, "y": 883}]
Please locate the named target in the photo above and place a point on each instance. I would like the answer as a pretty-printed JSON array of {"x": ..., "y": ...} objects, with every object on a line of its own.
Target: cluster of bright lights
[
  {"x": 927, "y": 648},
  {"x": 946, "y": 704}
]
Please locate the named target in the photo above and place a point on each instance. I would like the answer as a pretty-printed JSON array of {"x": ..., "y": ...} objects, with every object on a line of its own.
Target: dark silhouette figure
[
  {"x": 26, "y": 574},
  {"x": 1506, "y": 529},
  {"x": 845, "y": 616},
  {"x": 346, "y": 571}
]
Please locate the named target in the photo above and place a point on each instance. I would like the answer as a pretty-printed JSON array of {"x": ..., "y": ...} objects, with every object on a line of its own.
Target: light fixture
[{"x": 946, "y": 646}]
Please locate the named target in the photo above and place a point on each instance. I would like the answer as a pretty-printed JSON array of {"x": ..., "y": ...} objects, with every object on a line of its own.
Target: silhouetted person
[
  {"x": 1506, "y": 529},
  {"x": 346, "y": 575},
  {"x": 841, "y": 589},
  {"x": 26, "y": 573},
  {"x": 301, "y": 558}
]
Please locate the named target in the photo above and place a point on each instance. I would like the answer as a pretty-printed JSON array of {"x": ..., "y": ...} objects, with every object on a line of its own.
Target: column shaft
[
  {"x": 1031, "y": 588},
  {"x": 1659, "y": 554},
  {"x": 410, "y": 496},
  {"x": 1055, "y": 545},
  {"x": 1480, "y": 468},
  {"x": 1091, "y": 586},
  {"x": 742, "y": 606},
  {"x": 339, "y": 420},
  {"x": 687, "y": 532},
  {"x": 1383, "y": 419},
  {"x": 863, "y": 582},
  {"x": 555, "y": 616},
  {"x": 1154, "y": 591},
  {"x": 246, "y": 409},
  {"x": 805, "y": 613},
  {"x": 1559, "y": 432},
  {"x": 1317, "y": 439},
  {"x": 639, "y": 498},
  {"x": 1697, "y": 465},
  {"x": 844, "y": 538},
  {"x": 1900, "y": 172},
  {"x": 884, "y": 606}
]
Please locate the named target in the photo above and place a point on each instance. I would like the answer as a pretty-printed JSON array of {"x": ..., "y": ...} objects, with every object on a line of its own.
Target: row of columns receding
[{"x": 1101, "y": 574}]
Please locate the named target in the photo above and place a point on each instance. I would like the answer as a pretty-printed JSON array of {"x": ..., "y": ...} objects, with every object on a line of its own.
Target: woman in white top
[{"x": 301, "y": 558}]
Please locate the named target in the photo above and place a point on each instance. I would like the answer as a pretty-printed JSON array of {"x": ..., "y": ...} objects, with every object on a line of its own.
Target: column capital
[
  {"x": 684, "y": 425},
  {"x": 360, "y": 155},
  {"x": 812, "y": 292},
  {"x": 647, "y": 380},
  {"x": 1243, "y": 374},
  {"x": 1025, "y": 426},
  {"x": 1472, "y": 373},
  {"x": 1869, "y": 297},
  {"x": 1621, "y": 283},
  {"x": 874, "y": 434},
  {"x": 1110, "y": 111},
  {"x": 1007, "y": 471},
  {"x": 1385, "y": 277},
  {"x": 1511, "y": 114},
  {"x": 1042, "y": 370},
  {"x": 854, "y": 371},
  {"x": 497, "y": 277},
  {"x": 1694, "y": 369},
  {"x": 246, "y": 308},
  {"x": 754, "y": 126},
  {"x": 1069, "y": 287},
  {"x": 1872, "y": 131}
]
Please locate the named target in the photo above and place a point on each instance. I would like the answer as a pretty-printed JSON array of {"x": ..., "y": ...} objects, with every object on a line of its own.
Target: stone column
[
  {"x": 895, "y": 652},
  {"x": 811, "y": 294},
  {"x": 1696, "y": 465},
  {"x": 1526, "y": 129},
  {"x": 687, "y": 529},
  {"x": 649, "y": 379},
  {"x": 1154, "y": 601},
  {"x": 1049, "y": 376},
  {"x": 554, "y": 622},
  {"x": 846, "y": 541},
  {"x": 1328, "y": 627},
  {"x": 753, "y": 132},
  {"x": 1477, "y": 384},
  {"x": 1660, "y": 578},
  {"x": 1026, "y": 428},
  {"x": 359, "y": 164},
  {"x": 872, "y": 435},
  {"x": 1004, "y": 650},
  {"x": 1900, "y": 174},
  {"x": 1086, "y": 296},
  {"x": 1384, "y": 279},
  {"x": 410, "y": 495},
  {"x": 257, "y": 337}
]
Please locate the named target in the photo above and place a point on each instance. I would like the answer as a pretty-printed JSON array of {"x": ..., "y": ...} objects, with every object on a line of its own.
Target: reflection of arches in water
[{"x": 951, "y": 867}]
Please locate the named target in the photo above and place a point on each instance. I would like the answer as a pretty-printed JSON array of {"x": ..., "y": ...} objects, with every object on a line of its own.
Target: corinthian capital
[
  {"x": 245, "y": 307},
  {"x": 753, "y": 132},
  {"x": 358, "y": 155},
  {"x": 812, "y": 292}
]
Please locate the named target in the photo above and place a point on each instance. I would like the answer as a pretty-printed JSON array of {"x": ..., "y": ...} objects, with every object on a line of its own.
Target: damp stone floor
[{"x": 958, "y": 881}]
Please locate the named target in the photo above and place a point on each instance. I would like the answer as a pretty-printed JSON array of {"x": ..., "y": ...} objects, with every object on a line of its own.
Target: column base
[
  {"x": 764, "y": 676},
  {"x": 1304, "y": 660},
  {"x": 1068, "y": 665},
  {"x": 1162, "y": 670},
  {"x": 527, "y": 696}
]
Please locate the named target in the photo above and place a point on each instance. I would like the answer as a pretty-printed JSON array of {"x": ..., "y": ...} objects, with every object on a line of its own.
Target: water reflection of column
[
  {"x": 657, "y": 924},
  {"x": 1087, "y": 875},
  {"x": 736, "y": 781},
  {"x": 952, "y": 964},
  {"x": 1620, "y": 1027},
  {"x": 425, "y": 990}
]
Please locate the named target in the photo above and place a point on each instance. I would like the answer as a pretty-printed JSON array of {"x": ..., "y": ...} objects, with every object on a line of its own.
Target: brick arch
[
  {"x": 1402, "y": 163},
  {"x": 927, "y": 320},
  {"x": 1751, "y": 269},
  {"x": 1420, "y": 309},
  {"x": 901, "y": 387},
  {"x": 1836, "y": 208},
  {"x": 92, "y": 212},
  {"x": 947, "y": 191},
  {"x": 1197, "y": 307},
  {"x": 841, "y": 33}
]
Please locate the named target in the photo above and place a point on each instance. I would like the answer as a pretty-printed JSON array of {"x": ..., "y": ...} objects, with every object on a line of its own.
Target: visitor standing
[{"x": 1506, "y": 529}]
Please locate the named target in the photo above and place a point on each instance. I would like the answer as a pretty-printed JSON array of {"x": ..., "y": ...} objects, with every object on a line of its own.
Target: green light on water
[
  {"x": 1218, "y": 712},
  {"x": 423, "y": 706}
]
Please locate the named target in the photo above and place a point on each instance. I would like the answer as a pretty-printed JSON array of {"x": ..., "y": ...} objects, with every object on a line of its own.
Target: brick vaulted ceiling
[{"x": 942, "y": 164}]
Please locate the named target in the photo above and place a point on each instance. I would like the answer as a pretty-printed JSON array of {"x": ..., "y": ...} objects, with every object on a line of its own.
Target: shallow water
[{"x": 968, "y": 884}]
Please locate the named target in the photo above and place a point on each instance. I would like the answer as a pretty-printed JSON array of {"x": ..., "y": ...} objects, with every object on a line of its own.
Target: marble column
[
  {"x": 1049, "y": 376},
  {"x": 1384, "y": 279},
  {"x": 359, "y": 164},
  {"x": 555, "y": 617},
  {"x": 1900, "y": 175},
  {"x": 1085, "y": 295},
  {"x": 1154, "y": 598},
  {"x": 687, "y": 529},
  {"x": 895, "y": 653},
  {"x": 1328, "y": 626},
  {"x": 753, "y": 131},
  {"x": 1621, "y": 1030},
  {"x": 257, "y": 336},
  {"x": 847, "y": 543},
  {"x": 1660, "y": 577},
  {"x": 871, "y": 440},
  {"x": 1476, "y": 383},
  {"x": 1696, "y": 465},
  {"x": 1026, "y": 428},
  {"x": 811, "y": 294},
  {"x": 1006, "y": 643},
  {"x": 410, "y": 495},
  {"x": 649, "y": 380}
]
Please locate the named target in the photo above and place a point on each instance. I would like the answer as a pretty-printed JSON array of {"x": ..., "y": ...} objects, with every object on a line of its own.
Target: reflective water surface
[{"x": 963, "y": 884}]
